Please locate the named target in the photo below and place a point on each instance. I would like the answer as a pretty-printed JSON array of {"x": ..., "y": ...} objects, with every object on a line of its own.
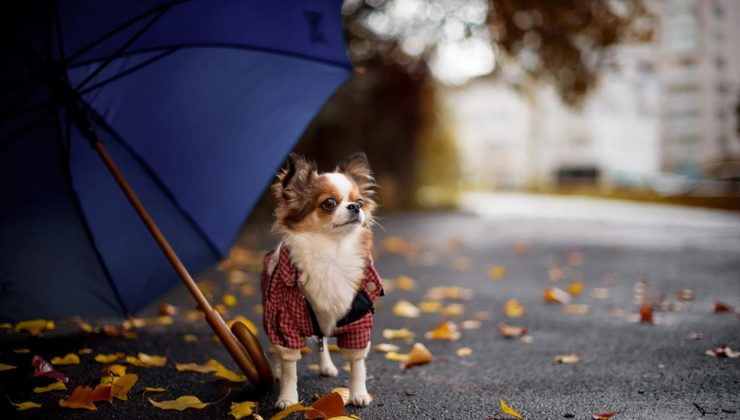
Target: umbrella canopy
[{"x": 198, "y": 102}]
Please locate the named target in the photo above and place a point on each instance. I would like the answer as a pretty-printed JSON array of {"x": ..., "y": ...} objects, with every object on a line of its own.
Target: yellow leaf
[
  {"x": 3, "y": 367},
  {"x": 396, "y": 357},
  {"x": 453, "y": 309},
  {"x": 152, "y": 390},
  {"x": 333, "y": 348},
  {"x": 555, "y": 295},
  {"x": 418, "y": 355},
  {"x": 56, "y": 386},
  {"x": 134, "y": 361},
  {"x": 150, "y": 360},
  {"x": 180, "y": 404},
  {"x": 497, "y": 272},
  {"x": 50, "y": 325},
  {"x": 106, "y": 358},
  {"x": 290, "y": 410},
  {"x": 26, "y": 405},
  {"x": 84, "y": 351},
  {"x": 513, "y": 309},
  {"x": 223, "y": 372},
  {"x": 21, "y": 351},
  {"x": 242, "y": 409},
  {"x": 194, "y": 367},
  {"x": 405, "y": 309},
  {"x": 464, "y": 351},
  {"x": 447, "y": 330},
  {"x": 385, "y": 347},
  {"x": 6, "y": 326},
  {"x": 117, "y": 370},
  {"x": 576, "y": 308},
  {"x": 575, "y": 288},
  {"x": 429, "y": 306},
  {"x": 230, "y": 300},
  {"x": 507, "y": 410},
  {"x": 249, "y": 324},
  {"x": 344, "y": 393},
  {"x": 403, "y": 334},
  {"x": 85, "y": 327},
  {"x": 471, "y": 324},
  {"x": 70, "y": 359},
  {"x": 568, "y": 358},
  {"x": 190, "y": 338},
  {"x": 405, "y": 283},
  {"x": 33, "y": 326},
  {"x": 121, "y": 387}
]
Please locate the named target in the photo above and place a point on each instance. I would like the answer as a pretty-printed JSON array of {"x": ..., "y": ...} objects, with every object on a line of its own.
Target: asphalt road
[{"x": 651, "y": 371}]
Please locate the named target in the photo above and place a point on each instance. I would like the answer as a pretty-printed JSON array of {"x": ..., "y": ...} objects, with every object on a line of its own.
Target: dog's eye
[
  {"x": 360, "y": 202},
  {"x": 329, "y": 204}
]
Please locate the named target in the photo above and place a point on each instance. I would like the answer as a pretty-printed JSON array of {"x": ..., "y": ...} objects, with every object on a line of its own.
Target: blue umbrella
[{"x": 196, "y": 102}]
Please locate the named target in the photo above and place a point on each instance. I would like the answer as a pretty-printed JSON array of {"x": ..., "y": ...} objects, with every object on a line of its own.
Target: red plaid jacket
[{"x": 288, "y": 318}]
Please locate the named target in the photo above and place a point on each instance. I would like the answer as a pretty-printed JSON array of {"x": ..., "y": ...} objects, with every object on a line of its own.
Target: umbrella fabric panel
[
  {"x": 213, "y": 125},
  {"x": 137, "y": 266},
  {"x": 48, "y": 265},
  {"x": 289, "y": 27}
]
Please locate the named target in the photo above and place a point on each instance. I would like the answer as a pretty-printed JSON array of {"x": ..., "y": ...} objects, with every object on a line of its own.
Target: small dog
[{"x": 320, "y": 280}]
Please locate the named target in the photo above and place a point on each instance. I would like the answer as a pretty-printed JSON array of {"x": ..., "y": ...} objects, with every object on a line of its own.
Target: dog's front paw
[
  {"x": 284, "y": 403},
  {"x": 360, "y": 399},
  {"x": 329, "y": 370}
]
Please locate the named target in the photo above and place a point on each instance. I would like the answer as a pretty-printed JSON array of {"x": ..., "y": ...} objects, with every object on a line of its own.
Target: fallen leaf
[
  {"x": 86, "y": 328},
  {"x": 601, "y": 293},
  {"x": 194, "y": 315},
  {"x": 513, "y": 309},
  {"x": 6, "y": 326},
  {"x": 249, "y": 324},
  {"x": 418, "y": 355},
  {"x": 720, "y": 307},
  {"x": 646, "y": 314},
  {"x": 153, "y": 390},
  {"x": 568, "y": 358},
  {"x": 555, "y": 295},
  {"x": 180, "y": 404},
  {"x": 84, "y": 351},
  {"x": 44, "y": 368},
  {"x": 511, "y": 331},
  {"x": 555, "y": 274},
  {"x": 454, "y": 309},
  {"x": 150, "y": 360},
  {"x": 25, "y": 405},
  {"x": 34, "y": 326},
  {"x": 576, "y": 308},
  {"x": 247, "y": 290},
  {"x": 575, "y": 288},
  {"x": 333, "y": 348},
  {"x": 471, "y": 324},
  {"x": 448, "y": 292},
  {"x": 396, "y": 357},
  {"x": 685, "y": 294},
  {"x": 229, "y": 300},
  {"x": 430, "y": 306},
  {"x": 167, "y": 309},
  {"x": 194, "y": 367},
  {"x": 497, "y": 272},
  {"x": 508, "y": 410},
  {"x": 405, "y": 283},
  {"x": 402, "y": 334},
  {"x": 724, "y": 351},
  {"x": 462, "y": 264},
  {"x": 106, "y": 358},
  {"x": 117, "y": 370},
  {"x": 56, "y": 386},
  {"x": 223, "y": 372},
  {"x": 82, "y": 397},
  {"x": 527, "y": 339},
  {"x": 385, "y": 347},
  {"x": 464, "y": 351},
  {"x": 70, "y": 359},
  {"x": 242, "y": 409},
  {"x": 102, "y": 393},
  {"x": 3, "y": 367},
  {"x": 290, "y": 410},
  {"x": 328, "y": 406},
  {"x": 446, "y": 330},
  {"x": 21, "y": 351},
  {"x": 605, "y": 415},
  {"x": 121, "y": 387},
  {"x": 190, "y": 338},
  {"x": 405, "y": 309}
]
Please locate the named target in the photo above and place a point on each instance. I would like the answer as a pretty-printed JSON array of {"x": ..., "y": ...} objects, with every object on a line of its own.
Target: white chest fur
[{"x": 332, "y": 267}]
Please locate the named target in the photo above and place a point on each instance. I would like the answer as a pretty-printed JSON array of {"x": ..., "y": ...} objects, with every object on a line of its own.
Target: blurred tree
[{"x": 402, "y": 48}]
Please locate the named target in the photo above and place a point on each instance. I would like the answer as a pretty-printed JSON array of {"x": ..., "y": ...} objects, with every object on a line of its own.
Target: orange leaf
[
  {"x": 575, "y": 288},
  {"x": 418, "y": 355},
  {"x": 120, "y": 388},
  {"x": 555, "y": 295},
  {"x": 511, "y": 331},
  {"x": 82, "y": 397},
  {"x": 101, "y": 393},
  {"x": 194, "y": 367},
  {"x": 328, "y": 406},
  {"x": 513, "y": 309},
  {"x": 605, "y": 415},
  {"x": 646, "y": 314}
]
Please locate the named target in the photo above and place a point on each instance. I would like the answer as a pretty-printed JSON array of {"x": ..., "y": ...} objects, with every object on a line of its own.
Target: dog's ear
[
  {"x": 357, "y": 168},
  {"x": 294, "y": 179}
]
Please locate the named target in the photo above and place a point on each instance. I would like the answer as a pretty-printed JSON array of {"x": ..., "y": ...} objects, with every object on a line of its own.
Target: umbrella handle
[{"x": 239, "y": 341}]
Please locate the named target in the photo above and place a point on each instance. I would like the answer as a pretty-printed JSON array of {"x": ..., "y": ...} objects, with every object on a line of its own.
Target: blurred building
[{"x": 663, "y": 116}]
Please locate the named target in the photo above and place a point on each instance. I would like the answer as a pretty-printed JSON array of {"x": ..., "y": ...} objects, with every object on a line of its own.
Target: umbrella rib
[
  {"x": 126, "y": 72},
  {"x": 18, "y": 133},
  {"x": 83, "y": 217},
  {"x": 157, "y": 180},
  {"x": 120, "y": 50}
]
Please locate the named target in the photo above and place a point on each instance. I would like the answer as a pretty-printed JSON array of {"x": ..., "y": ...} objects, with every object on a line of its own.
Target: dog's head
[{"x": 333, "y": 203}]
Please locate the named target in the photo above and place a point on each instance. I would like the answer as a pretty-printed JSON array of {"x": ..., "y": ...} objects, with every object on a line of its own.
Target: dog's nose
[{"x": 354, "y": 208}]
